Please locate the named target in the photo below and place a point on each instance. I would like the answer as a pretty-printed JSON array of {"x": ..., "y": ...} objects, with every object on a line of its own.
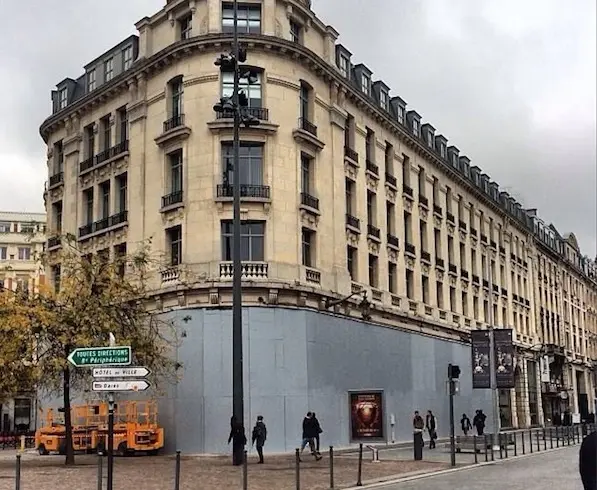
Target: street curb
[{"x": 421, "y": 476}]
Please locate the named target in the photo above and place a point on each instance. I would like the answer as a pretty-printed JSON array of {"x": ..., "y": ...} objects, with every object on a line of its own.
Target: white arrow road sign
[
  {"x": 127, "y": 372},
  {"x": 136, "y": 385}
]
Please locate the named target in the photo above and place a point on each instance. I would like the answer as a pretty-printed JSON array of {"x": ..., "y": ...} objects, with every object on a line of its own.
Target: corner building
[{"x": 344, "y": 188}]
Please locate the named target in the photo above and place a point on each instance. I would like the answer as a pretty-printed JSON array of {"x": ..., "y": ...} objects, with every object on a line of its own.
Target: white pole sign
[
  {"x": 117, "y": 372},
  {"x": 137, "y": 385}
]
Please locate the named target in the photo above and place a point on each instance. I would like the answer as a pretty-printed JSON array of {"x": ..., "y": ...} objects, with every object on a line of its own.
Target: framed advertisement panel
[
  {"x": 480, "y": 353},
  {"x": 366, "y": 415},
  {"x": 504, "y": 357}
]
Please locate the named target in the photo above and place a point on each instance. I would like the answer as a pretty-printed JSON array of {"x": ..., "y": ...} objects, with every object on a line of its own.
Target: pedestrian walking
[
  {"x": 259, "y": 437},
  {"x": 465, "y": 423},
  {"x": 418, "y": 427},
  {"x": 319, "y": 430},
  {"x": 309, "y": 432},
  {"x": 239, "y": 440},
  {"x": 587, "y": 458},
  {"x": 431, "y": 425},
  {"x": 479, "y": 422}
]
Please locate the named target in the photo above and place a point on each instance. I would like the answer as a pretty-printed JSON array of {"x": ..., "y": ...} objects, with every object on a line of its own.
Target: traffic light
[
  {"x": 225, "y": 62},
  {"x": 453, "y": 371},
  {"x": 242, "y": 54}
]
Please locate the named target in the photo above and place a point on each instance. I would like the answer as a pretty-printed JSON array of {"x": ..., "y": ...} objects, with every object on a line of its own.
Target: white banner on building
[{"x": 545, "y": 374}]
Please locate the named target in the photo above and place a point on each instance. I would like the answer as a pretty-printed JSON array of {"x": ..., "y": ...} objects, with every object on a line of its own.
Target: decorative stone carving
[
  {"x": 462, "y": 235},
  {"x": 439, "y": 275},
  {"x": 407, "y": 203},
  {"x": 451, "y": 229},
  {"x": 390, "y": 194},
  {"x": 464, "y": 284},
  {"x": 302, "y": 299},
  {"x": 475, "y": 289},
  {"x": 392, "y": 255},
  {"x": 352, "y": 238},
  {"x": 272, "y": 297},
  {"x": 342, "y": 96},
  {"x": 425, "y": 267},
  {"x": 159, "y": 304},
  {"x": 410, "y": 262},
  {"x": 309, "y": 220},
  {"x": 452, "y": 280},
  {"x": 214, "y": 296},
  {"x": 437, "y": 221},
  {"x": 372, "y": 183},
  {"x": 423, "y": 212},
  {"x": 373, "y": 246},
  {"x": 474, "y": 241},
  {"x": 203, "y": 26},
  {"x": 350, "y": 171},
  {"x": 334, "y": 89}
]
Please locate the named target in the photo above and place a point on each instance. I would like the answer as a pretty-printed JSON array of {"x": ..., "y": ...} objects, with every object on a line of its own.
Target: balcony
[
  {"x": 352, "y": 154},
  {"x": 54, "y": 242},
  {"x": 504, "y": 292},
  {"x": 246, "y": 191},
  {"x": 450, "y": 217},
  {"x": 452, "y": 269},
  {"x": 373, "y": 231},
  {"x": 493, "y": 245},
  {"x": 104, "y": 157},
  {"x": 260, "y": 113},
  {"x": 172, "y": 274},
  {"x": 371, "y": 167},
  {"x": 309, "y": 201},
  {"x": 353, "y": 222},
  {"x": 409, "y": 248},
  {"x": 56, "y": 179},
  {"x": 174, "y": 128},
  {"x": 484, "y": 238},
  {"x": 476, "y": 279},
  {"x": 425, "y": 256},
  {"x": 249, "y": 270},
  {"x": 311, "y": 275},
  {"x": 474, "y": 232},
  {"x": 103, "y": 225},
  {"x": 502, "y": 250},
  {"x": 439, "y": 263},
  {"x": 485, "y": 283},
  {"x": 87, "y": 164},
  {"x": 464, "y": 273},
  {"x": 462, "y": 225},
  {"x": 393, "y": 241},
  {"x": 407, "y": 190},
  {"x": 437, "y": 210},
  {"x": 391, "y": 180},
  {"x": 307, "y": 133},
  {"x": 496, "y": 288},
  {"x": 423, "y": 200},
  {"x": 172, "y": 199}
]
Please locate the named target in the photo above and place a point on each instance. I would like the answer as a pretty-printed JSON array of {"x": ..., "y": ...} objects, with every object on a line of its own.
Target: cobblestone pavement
[
  {"x": 556, "y": 469},
  {"x": 206, "y": 473}
]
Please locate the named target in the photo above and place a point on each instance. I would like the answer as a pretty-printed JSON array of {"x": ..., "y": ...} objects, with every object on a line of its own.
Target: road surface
[{"x": 552, "y": 470}]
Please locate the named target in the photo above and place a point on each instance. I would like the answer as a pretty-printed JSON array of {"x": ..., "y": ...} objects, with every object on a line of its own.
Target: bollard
[
  {"x": 485, "y": 444},
  {"x": 538, "y": 442},
  {"x": 18, "y": 473},
  {"x": 531, "y": 439},
  {"x": 475, "y": 448},
  {"x": 515, "y": 445},
  {"x": 22, "y": 444},
  {"x": 331, "y": 466},
  {"x": 522, "y": 438},
  {"x": 557, "y": 437},
  {"x": 507, "y": 437},
  {"x": 245, "y": 472},
  {"x": 544, "y": 440},
  {"x": 492, "y": 444},
  {"x": 500, "y": 445},
  {"x": 177, "y": 472},
  {"x": 360, "y": 473},
  {"x": 100, "y": 471},
  {"x": 297, "y": 465},
  {"x": 551, "y": 438}
]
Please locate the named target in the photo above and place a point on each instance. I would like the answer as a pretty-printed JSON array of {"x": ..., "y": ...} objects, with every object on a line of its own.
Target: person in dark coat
[
  {"x": 588, "y": 461},
  {"x": 259, "y": 437},
  {"x": 479, "y": 422},
  {"x": 309, "y": 433},
  {"x": 319, "y": 431},
  {"x": 431, "y": 426},
  {"x": 465, "y": 423},
  {"x": 239, "y": 440}
]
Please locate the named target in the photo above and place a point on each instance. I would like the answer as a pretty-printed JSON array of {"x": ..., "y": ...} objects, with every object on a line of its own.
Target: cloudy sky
[{"x": 512, "y": 83}]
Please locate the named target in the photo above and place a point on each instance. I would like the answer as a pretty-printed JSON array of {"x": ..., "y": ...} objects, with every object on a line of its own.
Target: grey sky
[{"x": 511, "y": 83}]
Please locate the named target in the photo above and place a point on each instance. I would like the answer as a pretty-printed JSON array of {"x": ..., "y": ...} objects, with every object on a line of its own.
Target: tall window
[
  {"x": 439, "y": 293},
  {"x": 252, "y": 90},
  {"x": 127, "y": 58},
  {"x": 410, "y": 284},
  {"x": 370, "y": 145},
  {"x": 366, "y": 84},
  {"x": 295, "y": 32},
  {"x": 304, "y": 98},
  {"x": 308, "y": 247},
  {"x": 351, "y": 261},
  {"x": 252, "y": 240},
  {"x": 405, "y": 170},
  {"x": 176, "y": 91},
  {"x": 344, "y": 65},
  {"x": 350, "y": 197},
  {"x": 392, "y": 278},
  {"x": 416, "y": 129},
  {"x": 105, "y": 199},
  {"x": 3, "y": 251},
  {"x": 389, "y": 158},
  {"x": 186, "y": 26},
  {"x": 408, "y": 228},
  {"x": 57, "y": 215},
  {"x": 175, "y": 171},
  {"x": 123, "y": 125},
  {"x": 88, "y": 205},
  {"x": 109, "y": 69},
  {"x": 349, "y": 132},
  {"x": 251, "y": 163},
  {"x": 423, "y": 234},
  {"x": 306, "y": 177},
  {"x": 390, "y": 218},
  {"x": 425, "y": 289},
  {"x": 400, "y": 114},
  {"x": 371, "y": 211},
  {"x": 422, "y": 181},
  {"x": 373, "y": 271},
  {"x": 437, "y": 239},
  {"x": 106, "y": 128},
  {"x": 24, "y": 253},
  {"x": 90, "y": 141},
  {"x": 249, "y": 18},
  {"x": 58, "y": 157},
  {"x": 63, "y": 98},
  {"x": 122, "y": 184},
  {"x": 91, "y": 80},
  {"x": 174, "y": 242}
]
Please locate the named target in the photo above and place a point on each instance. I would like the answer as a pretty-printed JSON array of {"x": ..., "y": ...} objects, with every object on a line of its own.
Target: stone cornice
[{"x": 288, "y": 49}]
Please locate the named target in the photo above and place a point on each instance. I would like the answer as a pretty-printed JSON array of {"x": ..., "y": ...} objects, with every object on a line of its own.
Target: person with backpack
[{"x": 259, "y": 437}]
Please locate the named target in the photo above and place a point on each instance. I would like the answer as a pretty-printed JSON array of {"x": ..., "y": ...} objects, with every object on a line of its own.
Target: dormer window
[
  {"x": 186, "y": 26},
  {"x": 344, "y": 65},
  {"x": 91, "y": 80},
  {"x": 401, "y": 115},
  {"x": 429, "y": 139},
  {"x": 127, "y": 57},
  {"x": 63, "y": 102},
  {"x": 383, "y": 99},
  {"x": 109, "y": 69},
  {"x": 295, "y": 32},
  {"x": 366, "y": 84},
  {"x": 442, "y": 150},
  {"x": 415, "y": 127}
]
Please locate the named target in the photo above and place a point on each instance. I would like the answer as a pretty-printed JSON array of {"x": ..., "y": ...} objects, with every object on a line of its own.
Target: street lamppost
[{"x": 233, "y": 106}]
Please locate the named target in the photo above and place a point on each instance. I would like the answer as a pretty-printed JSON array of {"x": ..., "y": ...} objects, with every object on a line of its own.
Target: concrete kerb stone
[{"x": 419, "y": 475}]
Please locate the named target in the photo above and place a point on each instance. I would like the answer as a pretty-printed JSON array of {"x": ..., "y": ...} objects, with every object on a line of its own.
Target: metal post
[
  {"x": 531, "y": 440},
  {"x": 544, "y": 440},
  {"x": 515, "y": 444},
  {"x": 485, "y": 444},
  {"x": 538, "y": 442},
  {"x": 177, "y": 472},
  {"x": 100, "y": 472},
  {"x": 492, "y": 367},
  {"x": 245, "y": 472},
  {"x": 492, "y": 446},
  {"x": 297, "y": 468},
  {"x": 237, "y": 326},
  {"x": 475, "y": 448},
  {"x": 452, "y": 441},
  {"x": 360, "y": 472},
  {"x": 18, "y": 473},
  {"x": 331, "y": 466},
  {"x": 557, "y": 437},
  {"x": 499, "y": 436},
  {"x": 110, "y": 480},
  {"x": 506, "y": 437}
]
